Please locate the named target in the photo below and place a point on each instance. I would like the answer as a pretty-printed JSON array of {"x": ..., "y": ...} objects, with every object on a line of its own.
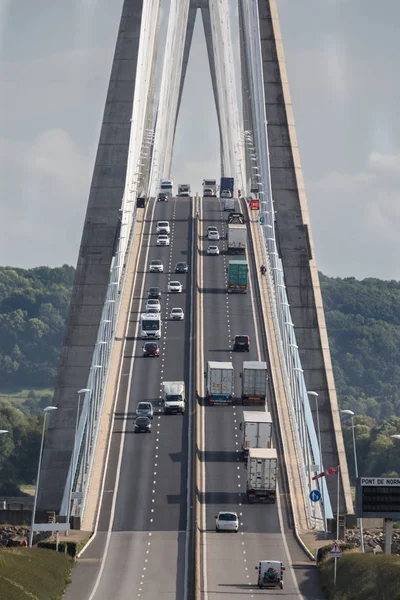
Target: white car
[
  {"x": 213, "y": 251},
  {"x": 175, "y": 286},
  {"x": 208, "y": 192},
  {"x": 156, "y": 266},
  {"x": 163, "y": 227},
  {"x": 177, "y": 314},
  {"x": 163, "y": 240},
  {"x": 213, "y": 235},
  {"x": 227, "y": 521},
  {"x": 153, "y": 305}
]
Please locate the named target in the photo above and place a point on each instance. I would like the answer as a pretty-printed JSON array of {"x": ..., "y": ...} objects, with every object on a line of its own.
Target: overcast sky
[{"x": 343, "y": 58}]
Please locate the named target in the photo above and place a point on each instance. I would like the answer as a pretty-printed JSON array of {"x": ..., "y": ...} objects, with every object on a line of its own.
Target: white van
[
  {"x": 173, "y": 397},
  {"x": 270, "y": 574}
]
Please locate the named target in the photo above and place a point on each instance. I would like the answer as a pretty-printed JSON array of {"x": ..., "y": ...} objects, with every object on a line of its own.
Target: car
[
  {"x": 177, "y": 314},
  {"x": 213, "y": 251},
  {"x": 208, "y": 192},
  {"x": 241, "y": 343},
  {"x": 154, "y": 292},
  {"x": 156, "y": 266},
  {"x": 181, "y": 267},
  {"x": 211, "y": 228},
  {"x": 151, "y": 349},
  {"x": 175, "y": 286},
  {"x": 163, "y": 240},
  {"x": 162, "y": 198},
  {"x": 163, "y": 227},
  {"x": 153, "y": 304},
  {"x": 142, "y": 424},
  {"x": 145, "y": 409},
  {"x": 213, "y": 235},
  {"x": 226, "y": 194},
  {"x": 227, "y": 521}
]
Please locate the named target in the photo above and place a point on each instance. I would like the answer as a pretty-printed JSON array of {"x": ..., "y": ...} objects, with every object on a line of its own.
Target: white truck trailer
[
  {"x": 254, "y": 382},
  {"x": 237, "y": 238},
  {"x": 262, "y": 467},
  {"x": 229, "y": 204},
  {"x": 219, "y": 382},
  {"x": 257, "y": 430}
]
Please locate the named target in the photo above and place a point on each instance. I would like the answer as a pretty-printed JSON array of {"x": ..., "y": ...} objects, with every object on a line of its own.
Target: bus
[{"x": 150, "y": 326}]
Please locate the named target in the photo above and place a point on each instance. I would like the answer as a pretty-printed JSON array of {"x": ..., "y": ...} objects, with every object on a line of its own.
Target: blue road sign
[
  {"x": 315, "y": 496},
  {"x": 261, "y": 220}
]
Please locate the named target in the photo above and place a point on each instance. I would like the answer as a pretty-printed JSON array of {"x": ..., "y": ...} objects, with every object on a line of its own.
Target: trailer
[
  {"x": 238, "y": 276},
  {"x": 237, "y": 238},
  {"x": 262, "y": 466},
  {"x": 219, "y": 382},
  {"x": 254, "y": 382},
  {"x": 257, "y": 430}
]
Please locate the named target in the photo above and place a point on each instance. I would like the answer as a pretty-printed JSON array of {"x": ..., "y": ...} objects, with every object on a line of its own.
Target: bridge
[{"x": 151, "y": 500}]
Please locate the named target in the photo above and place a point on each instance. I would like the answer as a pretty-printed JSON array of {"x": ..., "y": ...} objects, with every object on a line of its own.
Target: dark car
[
  {"x": 142, "y": 424},
  {"x": 154, "y": 292},
  {"x": 151, "y": 349},
  {"x": 162, "y": 198},
  {"x": 241, "y": 343},
  {"x": 181, "y": 267}
]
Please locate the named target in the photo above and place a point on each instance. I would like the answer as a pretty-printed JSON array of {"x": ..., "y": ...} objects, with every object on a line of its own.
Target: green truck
[{"x": 237, "y": 276}]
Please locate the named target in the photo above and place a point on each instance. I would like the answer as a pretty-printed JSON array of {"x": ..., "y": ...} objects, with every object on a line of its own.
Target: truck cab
[
  {"x": 270, "y": 574},
  {"x": 173, "y": 398}
]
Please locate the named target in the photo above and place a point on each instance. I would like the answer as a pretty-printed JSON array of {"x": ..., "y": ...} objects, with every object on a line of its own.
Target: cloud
[
  {"x": 355, "y": 219},
  {"x": 45, "y": 190}
]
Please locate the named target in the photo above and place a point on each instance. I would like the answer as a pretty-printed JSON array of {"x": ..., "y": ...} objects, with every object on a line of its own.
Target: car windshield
[
  {"x": 227, "y": 517},
  {"x": 152, "y": 302},
  {"x": 142, "y": 420},
  {"x": 163, "y": 224},
  {"x": 156, "y": 262},
  {"x": 150, "y": 325},
  {"x": 163, "y": 236},
  {"x": 150, "y": 347},
  {"x": 177, "y": 310},
  {"x": 175, "y": 283},
  {"x": 181, "y": 264},
  {"x": 241, "y": 339},
  {"x": 144, "y": 406},
  {"x": 154, "y": 290}
]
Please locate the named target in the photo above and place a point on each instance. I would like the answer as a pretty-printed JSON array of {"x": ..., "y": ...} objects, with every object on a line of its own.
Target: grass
[
  {"x": 18, "y": 396},
  {"x": 33, "y": 573},
  {"x": 362, "y": 577}
]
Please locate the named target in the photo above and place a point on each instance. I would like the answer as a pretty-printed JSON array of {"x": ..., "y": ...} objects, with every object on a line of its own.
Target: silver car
[
  {"x": 145, "y": 409},
  {"x": 163, "y": 240},
  {"x": 156, "y": 266},
  {"x": 227, "y": 521},
  {"x": 177, "y": 314},
  {"x": 213, "y": 251}
]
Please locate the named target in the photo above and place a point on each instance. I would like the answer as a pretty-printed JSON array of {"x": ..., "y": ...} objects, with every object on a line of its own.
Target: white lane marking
[{"x": 123, "y": 436}]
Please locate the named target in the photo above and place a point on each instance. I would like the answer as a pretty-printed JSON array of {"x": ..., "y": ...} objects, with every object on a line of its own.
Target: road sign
[
  {"x": 315, "y": 496},
  {"x": 378, "y": 497},
  {"x": 335, "y": 551},
  {"x": 261, "y": 220}
]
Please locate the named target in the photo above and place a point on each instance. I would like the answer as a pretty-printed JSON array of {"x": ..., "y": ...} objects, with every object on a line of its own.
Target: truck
[
  {"x": 183, "y": 189},
  {"x": 237, "y": 238},
  {"x": 173, "y": 397},
  {"x": 262, "y": 467},
  {"x": 257, "y": 430},
  {"x": 166, "y": 187},
  {"x": 237, "y": 276},
  {"x": 227, "y": 184},
  {"x": 211, "y": 186},
  {"x": 229, "y": 204},
  {"x": 236, "y": 218},
  {"x": 254, "y": 382},
  {"x": 219, "y": 382}
]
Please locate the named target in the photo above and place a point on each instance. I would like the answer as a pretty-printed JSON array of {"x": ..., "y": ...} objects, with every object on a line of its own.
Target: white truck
[
  {"x": 173, "y": 397},
  {"x": 257, "y": 430},
  {"x": 237, "y": 238},
  {"x": 183, "y": 189},
  {"x": 167, "y": 187},
  {"x": 262, "y": 467},
  {"x": 229, "y": 204},
  {"x": 254, "y": 382},
  {"x": 219, "y": 382}
]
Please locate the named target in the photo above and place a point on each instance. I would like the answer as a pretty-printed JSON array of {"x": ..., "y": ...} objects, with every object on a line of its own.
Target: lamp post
[
  {"x": 79, "y": 392},
  {"x": 315, "y": 395},
  {"x": 45, "y": 410},
  {"x": 3, "y": 431},
  {"x": 360, "y": 523}
]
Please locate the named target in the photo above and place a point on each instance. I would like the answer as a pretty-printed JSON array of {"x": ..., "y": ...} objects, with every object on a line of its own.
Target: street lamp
[
  {"x": 3, "y": 431},
  {"x": 79, "y": 392},
  {"x": 360, "y": 523},
  {"x": 45, "y": 410}
]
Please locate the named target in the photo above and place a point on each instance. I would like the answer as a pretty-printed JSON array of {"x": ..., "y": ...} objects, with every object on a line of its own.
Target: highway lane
[
  {"x": 230, "y": 559},
  {"x": 142, "y": 540}
]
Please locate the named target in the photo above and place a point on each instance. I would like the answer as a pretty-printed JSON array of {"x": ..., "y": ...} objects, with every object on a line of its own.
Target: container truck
[
  {"x": 183, "y": 189},
  {"x": 211, "y": 186},
  {"x": 237, "y": 276},
  {"x": 166, "y": 187},
  {"x": 257, "y": 430},
  {"x": 237, "y": 238},
  {"x": 227, "y": 185},
  {"x": 262, "y": 466},
  {"x": 229, "y": 204},
  {"x": 219, "y": 382},
  {"x": 254, "y": 382},
  {"x": 236, "y": 218}
]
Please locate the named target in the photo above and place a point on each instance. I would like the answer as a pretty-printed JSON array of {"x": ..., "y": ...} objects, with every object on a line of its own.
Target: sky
[{"x": 342, "y": 59}]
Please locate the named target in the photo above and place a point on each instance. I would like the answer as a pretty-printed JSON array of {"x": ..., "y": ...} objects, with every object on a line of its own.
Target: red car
[{"x": 151, "y": 349}]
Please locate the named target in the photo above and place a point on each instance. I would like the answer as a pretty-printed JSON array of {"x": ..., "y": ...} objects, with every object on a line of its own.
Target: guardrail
[{"x": 257, "y": 149}]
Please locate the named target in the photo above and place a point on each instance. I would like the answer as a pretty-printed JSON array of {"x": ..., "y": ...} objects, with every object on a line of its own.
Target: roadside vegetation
[
  {"x": 361, "y": 577},
  {"x": 33, "y": 573}
]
